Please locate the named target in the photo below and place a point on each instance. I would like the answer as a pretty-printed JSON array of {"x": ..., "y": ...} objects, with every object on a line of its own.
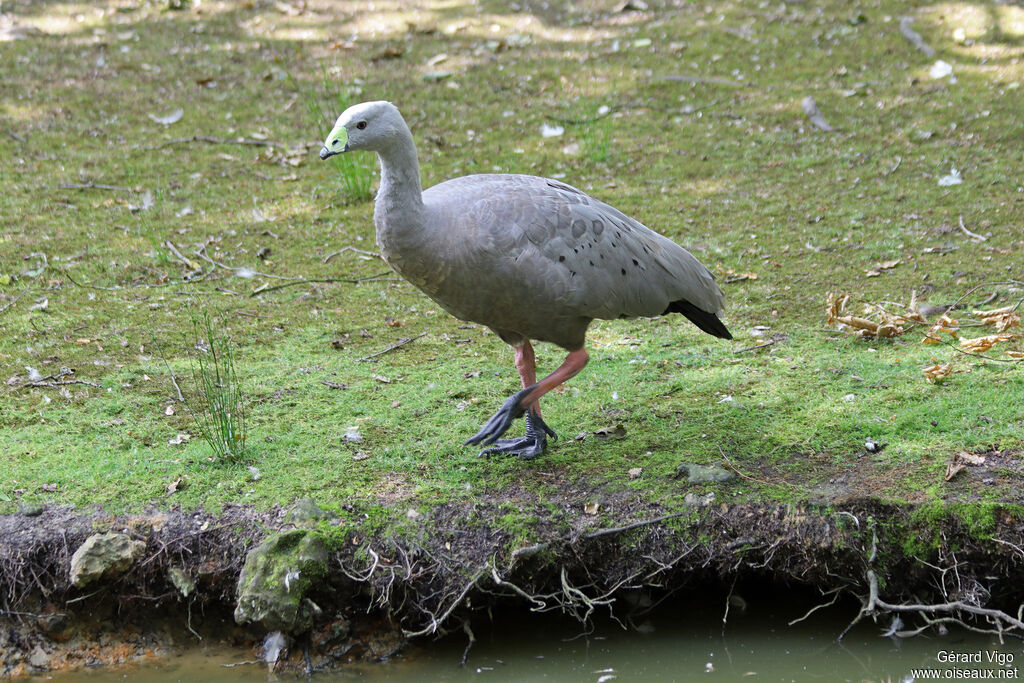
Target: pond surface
[{"x": 681, "y": 642}]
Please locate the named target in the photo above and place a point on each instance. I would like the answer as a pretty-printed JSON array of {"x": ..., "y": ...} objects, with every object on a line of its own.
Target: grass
[
  {"x": 218, "y": 405},
  {"x": 720, "y": 159}
]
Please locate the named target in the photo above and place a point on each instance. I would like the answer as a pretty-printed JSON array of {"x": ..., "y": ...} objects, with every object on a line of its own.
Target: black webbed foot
[
  {"x": 501, "y": 420},
  {"x": 526, "y": 447}
]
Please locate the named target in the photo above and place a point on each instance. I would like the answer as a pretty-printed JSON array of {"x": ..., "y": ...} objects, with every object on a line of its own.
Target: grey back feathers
[{"x": 529, "y": 257}]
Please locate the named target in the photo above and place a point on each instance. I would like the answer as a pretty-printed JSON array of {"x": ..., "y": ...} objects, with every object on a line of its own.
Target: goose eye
[{"x": 361, "y": 125}]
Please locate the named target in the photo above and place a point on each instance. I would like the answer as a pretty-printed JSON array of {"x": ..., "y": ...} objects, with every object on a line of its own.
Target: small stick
[
  {"x": 174, "y": 381},
  {"x": 765, "y": 345},
  {"x": 178, "y": 255},
  {"x": 344, "y": 249},
  {"x": 973, "y": 235},
  {"x": 635, "y": 525},
  {"x": 680, "y": 78},
  {"x": 401, "y": 342},
  {"x": 216, "y": 141},
  {"x": 912, "y": 36},
  {"x": 89, "y": 186},
  {"x": 14, "y": 300},
  {"x": 735, "y": 469},
  {"x": 264, "y": 290},
  {"x": 899, "y": 160}
]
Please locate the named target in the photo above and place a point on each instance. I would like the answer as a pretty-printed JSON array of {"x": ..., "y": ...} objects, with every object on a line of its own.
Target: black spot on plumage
[
  {"x": 561, "y": 258},
  {"x": 591, "y": 263},
  {"x": 635, "y": 262},
  {"x": 623, "y": 271}
]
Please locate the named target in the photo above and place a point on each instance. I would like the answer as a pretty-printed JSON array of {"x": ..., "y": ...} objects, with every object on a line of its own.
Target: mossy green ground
[{"x": 704, "y": 141}]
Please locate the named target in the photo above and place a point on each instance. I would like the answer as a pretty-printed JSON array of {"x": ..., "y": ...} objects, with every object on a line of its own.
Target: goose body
[{"x": 531, "y": 258}]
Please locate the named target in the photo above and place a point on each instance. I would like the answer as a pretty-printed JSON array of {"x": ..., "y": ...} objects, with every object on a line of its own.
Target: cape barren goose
[{"x": 531, "y": 258}]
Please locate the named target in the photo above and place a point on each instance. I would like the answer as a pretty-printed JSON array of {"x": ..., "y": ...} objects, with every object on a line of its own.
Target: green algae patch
[{"x": 275, "y": 578}]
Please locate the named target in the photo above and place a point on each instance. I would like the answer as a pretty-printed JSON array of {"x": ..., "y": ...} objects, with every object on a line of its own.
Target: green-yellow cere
[{"x": 337, "y": 139}]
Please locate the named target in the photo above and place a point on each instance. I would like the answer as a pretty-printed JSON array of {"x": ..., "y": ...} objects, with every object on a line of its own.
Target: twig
[
  {"x": 764, "y": 345},
  {"x": 735, "y": 469},
  {"x": 683, "y": 78},
  {"x": 899, "y": 160},
  {"x": 264, "y": 290},
  {"x": 216, "y": 141},
  {"x": 56, "y": 380},
  {"x": 401, "y": 342},
  {"x": 87, "y": 285},
  {"x": 344, "y": 249},
  {"x": 635, "y": 525},
  {"x": 88, "y": 186},
  {"x": 15, "y": 136},
  {"x": 178, "y": 255},
  {"x": 174, "y": 381},
  {"x": 14, "y": 300},
  {"x": 915, "y": 39},
  {"x": 973, "y": 235}
]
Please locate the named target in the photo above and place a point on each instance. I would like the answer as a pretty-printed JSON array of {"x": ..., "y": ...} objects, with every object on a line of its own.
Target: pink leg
[
  {"x": 527, "y": 401},
  {"x": 570, "y": 367},
  {"x": 526, "y": 364}
]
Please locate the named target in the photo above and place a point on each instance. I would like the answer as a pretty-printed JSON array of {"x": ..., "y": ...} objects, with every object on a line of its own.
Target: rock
[
  {"x": 182, "y": 581},
  {"x": 104, "y": 556},
  {"x": 274, "y": 581},
  {"x": 39, "y": 659},
  {"x": 306, "y": 513},
  {"x": 701, "y": 474},
  {"x": 58, "y": 626},
  {"x": 699, "y": 501},
  {"x": 31, "y": 509}
]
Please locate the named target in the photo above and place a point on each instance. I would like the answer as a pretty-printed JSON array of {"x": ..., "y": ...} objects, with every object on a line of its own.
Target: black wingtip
[{"x": 707, "y": 322}]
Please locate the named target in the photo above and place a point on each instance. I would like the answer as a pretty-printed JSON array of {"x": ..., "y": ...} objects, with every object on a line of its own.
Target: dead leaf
[
  {"x": 944, "y": 325},
  {"x": 50, "y": 488},
  {"x": 616, "y": 432},
  {"x": 938, "y": 372},
  {"x": 982, "y": 344},
  {"x": 1015, "y": 354},
  {"x": 360, "y": 455},
  {"x": 971, "y": 458},
  {"x": 381, "y": 378},
  {"x": 177, "y": 484},
  {"x": 635, "y": 472},
  {"x": 1003, "y": 318},
  {"x": 169, "y": 410},
  {"x": 392, "y": 322},
  {"x": 591, "y": 508},
  {"x": 178, "y": 440},
  {"x": 836, "y": 305},
  {"x": 952, "y": 468}
]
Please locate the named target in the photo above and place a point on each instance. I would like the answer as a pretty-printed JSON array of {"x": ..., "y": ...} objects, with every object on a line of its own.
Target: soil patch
[{"x": 431, "y": 572}]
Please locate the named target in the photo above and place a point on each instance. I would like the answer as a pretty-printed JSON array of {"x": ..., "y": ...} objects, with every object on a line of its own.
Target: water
[{"x": 683, "y": 642}]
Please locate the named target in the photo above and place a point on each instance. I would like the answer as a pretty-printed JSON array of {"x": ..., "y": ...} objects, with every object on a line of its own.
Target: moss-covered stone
[
  {"x": 277, "y": 574},
  {"x": 701, "y": 474}
]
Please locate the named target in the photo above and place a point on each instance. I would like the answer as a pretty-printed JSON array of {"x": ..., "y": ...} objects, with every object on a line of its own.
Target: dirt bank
[{"x": 424, "y": 573}]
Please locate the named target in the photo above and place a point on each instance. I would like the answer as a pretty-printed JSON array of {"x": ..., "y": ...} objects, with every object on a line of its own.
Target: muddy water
[{"x": 684, "y": 642}]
